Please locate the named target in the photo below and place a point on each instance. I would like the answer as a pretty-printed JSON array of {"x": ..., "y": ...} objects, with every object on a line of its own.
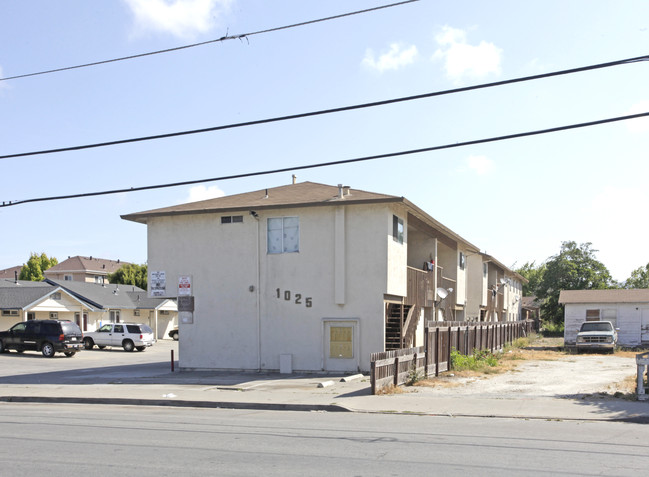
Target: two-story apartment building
[{"x": 306, "y": 276}]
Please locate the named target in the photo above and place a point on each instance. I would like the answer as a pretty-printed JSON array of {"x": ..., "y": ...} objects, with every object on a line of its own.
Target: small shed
[{"x": 628, "y": 310}]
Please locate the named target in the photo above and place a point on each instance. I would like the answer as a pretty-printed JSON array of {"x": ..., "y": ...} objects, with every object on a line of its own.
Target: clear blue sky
[{"x": 517, "y": 200}]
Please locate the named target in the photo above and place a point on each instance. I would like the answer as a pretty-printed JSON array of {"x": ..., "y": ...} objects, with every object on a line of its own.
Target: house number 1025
[{"x": 296, "y": 298}]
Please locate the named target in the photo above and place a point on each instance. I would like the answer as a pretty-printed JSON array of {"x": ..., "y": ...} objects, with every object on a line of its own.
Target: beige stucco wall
[{"x": 251, "y": 307}]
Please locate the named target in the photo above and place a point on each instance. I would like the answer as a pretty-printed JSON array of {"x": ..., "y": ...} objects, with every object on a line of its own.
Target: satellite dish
[{"x": 442, "y": 293}]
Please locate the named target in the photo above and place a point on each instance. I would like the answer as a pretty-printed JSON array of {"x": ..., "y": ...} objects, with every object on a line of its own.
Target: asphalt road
[{"x": 93, "y": 441}]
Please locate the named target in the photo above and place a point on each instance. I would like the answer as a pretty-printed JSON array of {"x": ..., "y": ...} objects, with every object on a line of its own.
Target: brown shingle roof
[
  {"x": 99, "y": 266},
  {"x": 303, "y": 194},
  {"x": 604, "y": 296},
  {"x": 10, "y": 272}
]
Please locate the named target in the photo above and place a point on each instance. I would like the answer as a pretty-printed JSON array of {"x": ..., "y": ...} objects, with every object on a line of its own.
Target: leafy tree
[
  {"x": 573, "y": 268},
  {"x": 35, "y": 266},
  {"x": 130, "y": 274},
  {"x": 534, "y": 274},
  {"x": 639, "y": 278}
]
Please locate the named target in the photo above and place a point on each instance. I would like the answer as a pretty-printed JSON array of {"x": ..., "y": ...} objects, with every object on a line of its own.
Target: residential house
[
  {"x": 84, "y": 269},
  {"x": 88, "y": 304},
  {"x": 304, "y": 277},
  {"x": 10, "y": 273},
  {"x": 628, "y": 310}
]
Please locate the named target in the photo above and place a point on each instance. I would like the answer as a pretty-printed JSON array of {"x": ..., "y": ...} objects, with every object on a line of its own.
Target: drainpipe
[{"x": 258, "y": 293}]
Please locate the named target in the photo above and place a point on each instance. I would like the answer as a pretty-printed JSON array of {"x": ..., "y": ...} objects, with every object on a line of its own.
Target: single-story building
[
  {"x": 628, "y": 310},
  {"x": 88, "y": 304}
]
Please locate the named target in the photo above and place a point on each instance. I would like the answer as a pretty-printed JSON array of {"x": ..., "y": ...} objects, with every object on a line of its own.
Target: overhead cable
[
  {"x": 328, "y": 111},
  {"x": 332, "y": 163},
  {"x": 223, "y": 38}
]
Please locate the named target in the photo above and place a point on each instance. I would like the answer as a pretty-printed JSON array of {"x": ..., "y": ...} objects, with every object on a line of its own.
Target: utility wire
[
  {"x": 224, "y": 38},
  {"x": 334, "y": 163},
  {"x": 329, "y": 111}
]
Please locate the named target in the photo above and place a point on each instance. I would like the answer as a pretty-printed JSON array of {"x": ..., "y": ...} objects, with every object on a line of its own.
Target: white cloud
[
  {"x": 480, "y": 165},
  {"x": 639, "y": 125},
  {"x": 201, "y": 192},
  {"x": 181, "y": 18},
  {"x": 396, "y": 57},
  {"x": 464, "y": 60}
]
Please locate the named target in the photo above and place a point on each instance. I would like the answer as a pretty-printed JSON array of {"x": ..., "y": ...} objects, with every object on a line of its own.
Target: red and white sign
[{"x": 184, "y": 285}]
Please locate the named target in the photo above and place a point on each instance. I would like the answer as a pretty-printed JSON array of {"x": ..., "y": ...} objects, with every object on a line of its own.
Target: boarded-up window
[
  {"x": 340, "y": 342},
  {"x": 592, "y": 315}
]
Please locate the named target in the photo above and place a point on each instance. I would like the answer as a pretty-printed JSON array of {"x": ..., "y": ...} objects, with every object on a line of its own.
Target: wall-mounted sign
[
  {"x": 158, "y": 284},
  {"x": 185, "y": 285},
  {"x": 185, "y": 303}
]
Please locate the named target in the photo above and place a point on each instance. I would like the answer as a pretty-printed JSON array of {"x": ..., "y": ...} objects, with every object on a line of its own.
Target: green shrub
[{"x": 479, "y": 360}]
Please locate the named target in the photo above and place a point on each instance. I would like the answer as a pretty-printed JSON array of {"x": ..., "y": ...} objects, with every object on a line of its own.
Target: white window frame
[
  {"x": 277, "y": 241},
  {"x": 114, "y": 316}
]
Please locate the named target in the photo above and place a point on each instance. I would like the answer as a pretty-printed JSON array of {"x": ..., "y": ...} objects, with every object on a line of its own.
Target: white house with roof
[
  {"x": 628, "y": 310},
  {"x": 304, "y": 277}
]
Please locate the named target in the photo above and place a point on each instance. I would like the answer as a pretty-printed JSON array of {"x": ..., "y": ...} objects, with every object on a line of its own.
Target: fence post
[
  {"x": 396, "y": 370},
  {"x": 436, "y": 351},
  {"x": 373, "y": 377},
  {"x": 448, "y": 357}
]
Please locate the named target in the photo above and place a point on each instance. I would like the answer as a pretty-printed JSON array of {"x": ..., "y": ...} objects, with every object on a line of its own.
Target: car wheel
[
  {"x": 47, "y": 349},
  {"x": 128, "y": 345},
  {"x": 175, "y": 336},
  {"x": 2, "y": 348},
  {"x": 140, "y": 348},
  {"x": 88, "y": 343},
  {"x": 69, "y": 354}
]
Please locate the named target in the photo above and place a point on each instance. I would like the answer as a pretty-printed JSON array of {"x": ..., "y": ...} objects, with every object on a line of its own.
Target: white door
[
  {"x": 644, "y": 327},
  {"x": 341, "y": 346}
]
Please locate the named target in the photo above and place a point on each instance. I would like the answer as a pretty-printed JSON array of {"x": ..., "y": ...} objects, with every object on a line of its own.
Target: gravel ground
[
  {"x": 562, "y": 375},
  {"x": 567, "y": 376}
]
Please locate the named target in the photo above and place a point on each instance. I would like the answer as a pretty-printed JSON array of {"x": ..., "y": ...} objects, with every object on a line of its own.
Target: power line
[
  {"x": 224, "y": 38},
  {"x": 333, "y": 163},
  {"x": 329, "y": 111}
]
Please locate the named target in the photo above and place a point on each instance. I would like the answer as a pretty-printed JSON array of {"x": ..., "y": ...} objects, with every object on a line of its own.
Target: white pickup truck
[
  {"x": 129, "y": 336},
  {"x": 599, "y": 335}
]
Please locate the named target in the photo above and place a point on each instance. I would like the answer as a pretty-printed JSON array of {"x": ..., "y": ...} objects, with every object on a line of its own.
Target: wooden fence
[{"x": 397, "y": 366}]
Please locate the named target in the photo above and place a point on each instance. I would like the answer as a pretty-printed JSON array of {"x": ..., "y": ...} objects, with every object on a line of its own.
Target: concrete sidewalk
[{"x": 318, "y": 393}]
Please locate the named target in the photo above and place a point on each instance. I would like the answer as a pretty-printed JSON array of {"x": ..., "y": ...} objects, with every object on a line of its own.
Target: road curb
[{"x": 177, "y": 403}]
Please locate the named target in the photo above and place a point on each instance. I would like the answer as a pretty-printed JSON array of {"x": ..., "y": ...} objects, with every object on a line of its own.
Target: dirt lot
[{"x": 545, "y": 370}]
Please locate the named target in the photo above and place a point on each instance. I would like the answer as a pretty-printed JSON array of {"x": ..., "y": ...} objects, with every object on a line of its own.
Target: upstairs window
[
  {"x": 462, "y": 261},
  {"x": 397, "y": 229},
  {"x": 283, "y": 234}
]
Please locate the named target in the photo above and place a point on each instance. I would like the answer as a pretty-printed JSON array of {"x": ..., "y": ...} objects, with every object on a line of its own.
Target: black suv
[{"x": 46, "y": 336}]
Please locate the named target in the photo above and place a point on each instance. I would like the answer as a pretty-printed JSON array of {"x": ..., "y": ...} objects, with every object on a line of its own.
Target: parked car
[
  {"x": 129, "y": 336},
  {"x": 174, "y": 334},
  {"x": 599, "y": 335},
  {"x": 47, "y": 336}
]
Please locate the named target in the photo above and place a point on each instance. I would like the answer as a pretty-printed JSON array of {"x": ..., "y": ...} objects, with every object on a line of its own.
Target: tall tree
[
  {"x": 534, "y": 274},
  {"x": 130, "y": 274},
  {"x": 639, "y": 278},
  {"x": 35, "y": 266},
  {"x": 573, "y": 268}
]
